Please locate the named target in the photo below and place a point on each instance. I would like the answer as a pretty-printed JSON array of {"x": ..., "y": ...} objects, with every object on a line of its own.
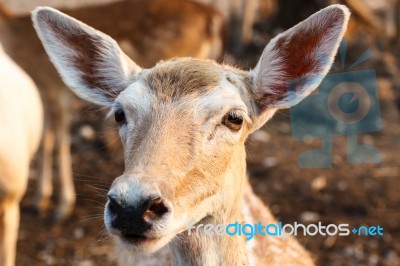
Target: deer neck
[{"x": 199, "y": 249}]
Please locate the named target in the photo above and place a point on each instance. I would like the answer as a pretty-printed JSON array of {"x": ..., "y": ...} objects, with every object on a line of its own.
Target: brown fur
[
  {"x": 166, "y": 28},
  {"x": 179, "y": 77},
  {"x": 180, "y": 149}
]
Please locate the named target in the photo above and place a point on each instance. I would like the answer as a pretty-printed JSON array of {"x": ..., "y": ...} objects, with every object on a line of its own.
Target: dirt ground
[{"x": 357, "y": 194}]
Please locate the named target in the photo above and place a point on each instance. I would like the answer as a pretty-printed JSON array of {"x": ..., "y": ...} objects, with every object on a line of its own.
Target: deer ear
[
  {"x": 89, "y": 62},
  {"x": 294, "y": 63}
]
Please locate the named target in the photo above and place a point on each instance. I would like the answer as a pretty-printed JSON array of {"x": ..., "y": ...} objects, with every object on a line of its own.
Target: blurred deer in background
[
  {"x": 21, "y": 44},
  {"x": 183, "y": 124},
  {"x": 158, "y": 30},
  {"x": 241, "y": 16},
  {"x": 21, "y": 126}
]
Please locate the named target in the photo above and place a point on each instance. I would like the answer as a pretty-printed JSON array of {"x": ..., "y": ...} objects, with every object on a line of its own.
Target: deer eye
[
  {"x": 233, "y": 121},
  {"x": 119, "y": 116}
]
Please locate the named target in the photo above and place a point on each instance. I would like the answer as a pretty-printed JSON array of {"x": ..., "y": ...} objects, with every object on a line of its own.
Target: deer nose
[{"x": 135, "y": 220}]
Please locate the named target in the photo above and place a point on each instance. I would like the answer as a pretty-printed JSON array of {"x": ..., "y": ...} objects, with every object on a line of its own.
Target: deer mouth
[
  {"x": 132, "y": 238},
  {"x": 143, "y": 243},
  {"x": 140, "y": 243}
]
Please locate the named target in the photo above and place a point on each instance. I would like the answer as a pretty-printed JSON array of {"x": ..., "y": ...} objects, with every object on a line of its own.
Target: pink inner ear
[
  {"x": 302, "y": 50},
  {"x": 88, "y": 56},
  {"x": 87, "y": 53},
  {"x": 88, "y": 50}
]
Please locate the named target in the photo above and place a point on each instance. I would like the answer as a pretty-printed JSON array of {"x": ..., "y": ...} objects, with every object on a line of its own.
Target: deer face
[
  {"x": 183, "y": 122},
  {"x": 175, "y": 169}
]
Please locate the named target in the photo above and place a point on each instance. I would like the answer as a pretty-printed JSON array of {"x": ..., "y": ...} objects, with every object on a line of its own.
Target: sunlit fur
[
  {"x": 175, "y": 142},
  {"x": 21, "y": 120}
]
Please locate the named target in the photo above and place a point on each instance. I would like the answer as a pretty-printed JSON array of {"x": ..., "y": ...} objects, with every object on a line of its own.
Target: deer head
[{"x": 183, "y": 123}]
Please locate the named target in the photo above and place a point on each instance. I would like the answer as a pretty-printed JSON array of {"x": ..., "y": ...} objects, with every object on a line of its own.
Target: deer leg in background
[
  {"x": 67, "y": 191},
  {"x": 9, "y": 232},
  {"x": 44, "y": 188}
]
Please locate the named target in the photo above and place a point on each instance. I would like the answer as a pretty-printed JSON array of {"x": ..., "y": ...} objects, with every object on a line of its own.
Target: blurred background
[{"x": 233, "y": 32}]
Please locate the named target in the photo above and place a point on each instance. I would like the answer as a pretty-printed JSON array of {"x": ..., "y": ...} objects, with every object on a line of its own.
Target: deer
[
  {"x": 198, "y": 32},
  {"x": 21, "y": 120},
  {"x": 242, "y": 15},
  {"x": 183, "y": 124}
]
